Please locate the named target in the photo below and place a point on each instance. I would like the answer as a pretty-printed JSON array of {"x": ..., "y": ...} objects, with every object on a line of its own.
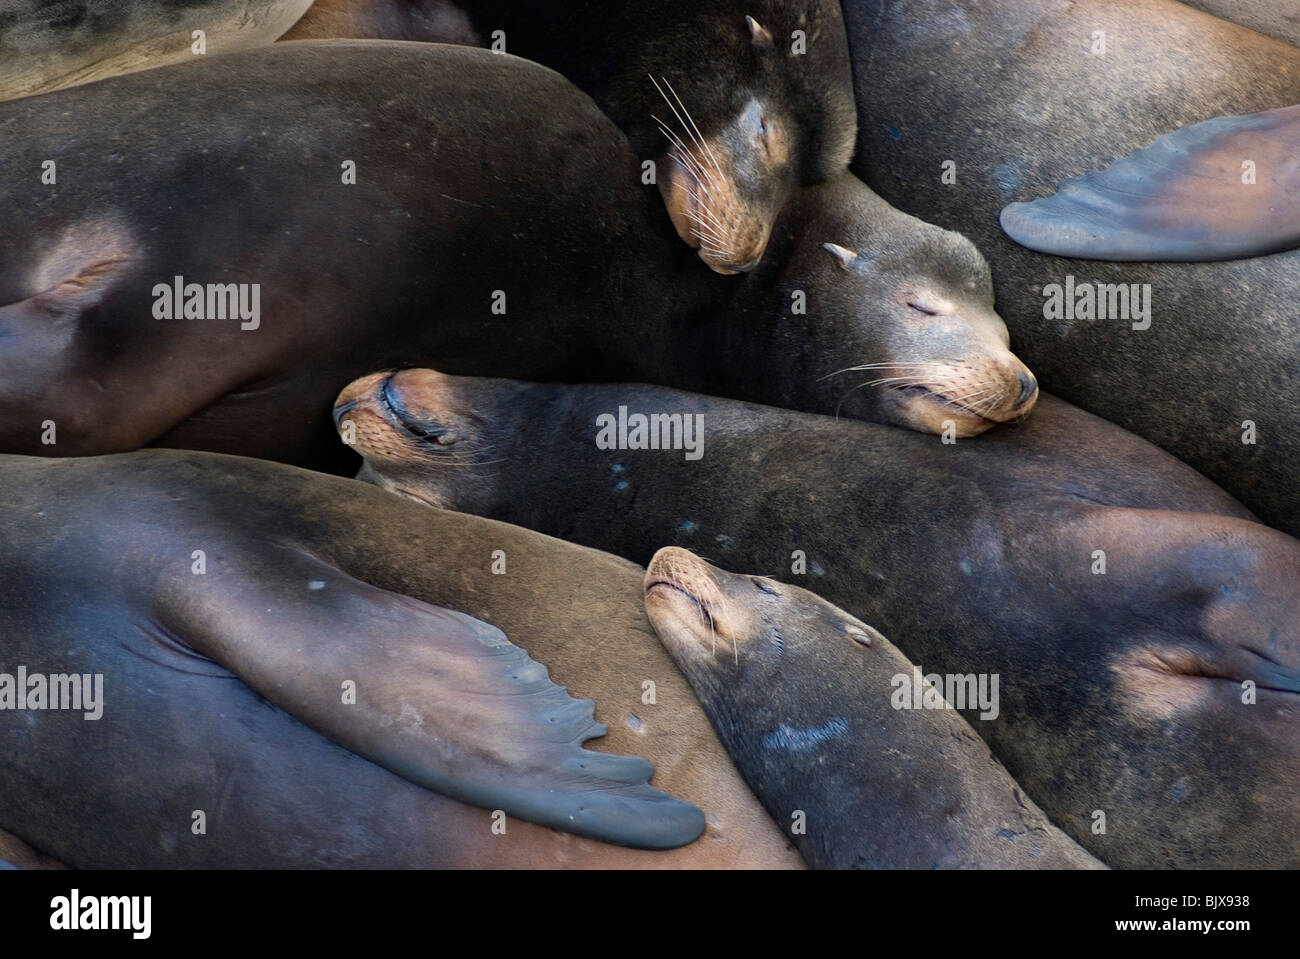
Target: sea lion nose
[{"x": 1027, "y": 388}]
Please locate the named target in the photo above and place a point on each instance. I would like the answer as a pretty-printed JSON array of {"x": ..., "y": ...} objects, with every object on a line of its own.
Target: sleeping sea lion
[
  {"x": 805, "y": 699},
  {"x": 1197, "y": 358},
  {"x": 228, "y": 618},
  {"x": 198, "y": 276},
  {"x": 1132, "y": 611},
  {"x": 734, "y": 104}
]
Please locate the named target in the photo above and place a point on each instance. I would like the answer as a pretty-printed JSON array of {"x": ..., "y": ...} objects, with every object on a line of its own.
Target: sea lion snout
[
  {"x": 984, "y": 385},
  {"x": 966, "y": 377},
  {"x": 711, "y": 214},
  {"x": 686, "y": 605},
  {"x": 1028, "y": 387},
  {"x": 428, "y": 435},
  {"x": 971, "y": 399},
  {"x": 724, "y": 189},
  {"x": 402, "y": 415}
]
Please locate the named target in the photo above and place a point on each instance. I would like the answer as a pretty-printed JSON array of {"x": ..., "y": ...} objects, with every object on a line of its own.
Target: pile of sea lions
[{"x": 486, "y": 434}]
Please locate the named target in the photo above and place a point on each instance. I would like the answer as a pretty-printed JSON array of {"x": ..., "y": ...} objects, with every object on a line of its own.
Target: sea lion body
[
  {"x": 406, "y": 262},
  {"x": 1133, "y": 610},
  {"x": 201, "y": 277},
  {"x": 737, "y": 104},
  {"x": 48, "y": 46},
  {"x": 92, "y": 547},
  {"x": 806, "y": 700},
  {"x": 1212, "y": 370}
]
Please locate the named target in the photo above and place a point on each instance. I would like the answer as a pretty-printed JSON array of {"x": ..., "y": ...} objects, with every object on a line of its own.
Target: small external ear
[
  {"x": 841, "y": 254},
  {"x": 758, "y": 33},
  {"x": 864, "y": 634}
]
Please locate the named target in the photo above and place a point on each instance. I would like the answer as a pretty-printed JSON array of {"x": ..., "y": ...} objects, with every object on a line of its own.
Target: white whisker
[
  {"x": 700, "y": 136},
  {"x": 886, "y": 366}
]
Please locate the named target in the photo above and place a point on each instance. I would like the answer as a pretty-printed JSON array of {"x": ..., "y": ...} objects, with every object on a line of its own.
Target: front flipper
[
  {"x": 1182, "y": 198},
  {"x": 441, "y": 698}
]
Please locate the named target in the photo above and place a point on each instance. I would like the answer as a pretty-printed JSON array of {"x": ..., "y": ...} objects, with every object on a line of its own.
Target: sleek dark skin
[
  {"x": 311, "y": 580},
  {"x": 803, "y": 697},
  {"x": 1039, "y": 106},
  {"x": 350, "y": 275},
  {"x": 1121, "y": 691},
  {"x": 400, "y": 268},
  {"x": 758, "y": 117}
]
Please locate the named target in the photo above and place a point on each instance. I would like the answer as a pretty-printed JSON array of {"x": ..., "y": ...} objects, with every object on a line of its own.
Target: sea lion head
[
  {"x": 410, "y": 423},
  {"x": 729, "y": 628},
  {"x": 880, "y": 316},
  {"x": 771, "y": 109}
]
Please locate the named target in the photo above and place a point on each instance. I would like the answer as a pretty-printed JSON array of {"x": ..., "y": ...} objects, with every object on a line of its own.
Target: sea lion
[
  {"x": 736, "y": 102},
  {"x": 551, "y": 262},
  {"x": 1208, "y": 379},
  {"x": 803, "y": 696},
  {"x": 445, "y": 700},
  {"x": 307, "y": 583},
  {"x": 1276, "y": 18},
  {"x": 48, "y": 46},
  {"x": 1144, "y": 628}
]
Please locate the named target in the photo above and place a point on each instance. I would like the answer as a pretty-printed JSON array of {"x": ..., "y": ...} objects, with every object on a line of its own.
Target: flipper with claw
[{"x": 438, "y": 697}]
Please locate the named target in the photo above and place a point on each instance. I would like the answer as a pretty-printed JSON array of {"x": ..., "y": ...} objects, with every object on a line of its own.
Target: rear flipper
[
  {"x": 441, "y": 698},
  {"x": 1185, "y": 197}
]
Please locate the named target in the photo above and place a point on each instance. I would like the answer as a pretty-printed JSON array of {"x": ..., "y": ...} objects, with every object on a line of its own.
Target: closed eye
[
  {"x": 923, "y": 308},
  {"x": 765, "y": 587}
]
